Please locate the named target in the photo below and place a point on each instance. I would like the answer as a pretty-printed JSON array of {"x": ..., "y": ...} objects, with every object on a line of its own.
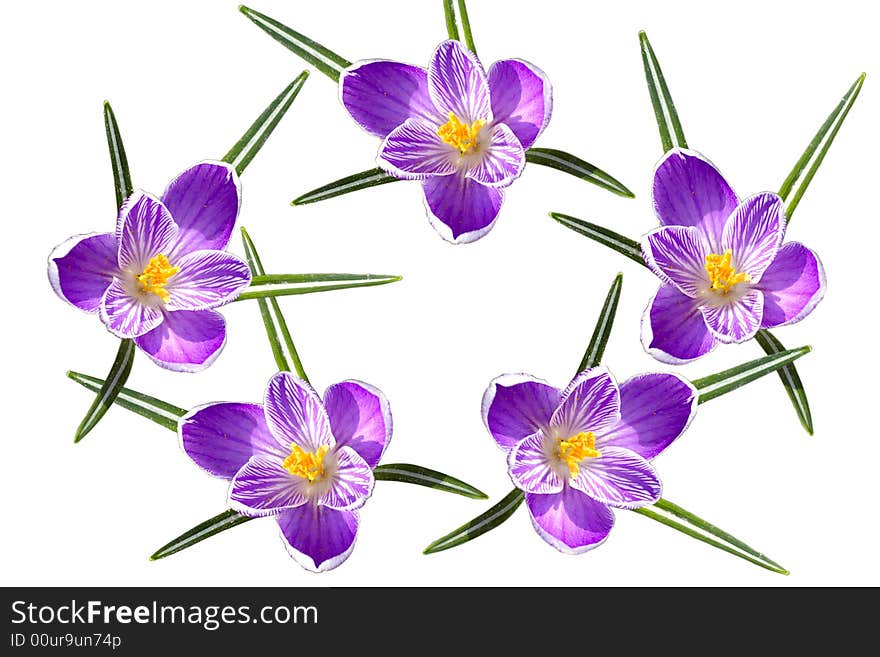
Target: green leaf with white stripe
[
  {"x": 480, "y": 525},
  {"x": 598, "y": 341},
  {"x": 805, "y": 168},
  {"x": 240, "y": 155},
  {"x": 416, "y": 474},
  {"x": 671, "y": 134},
  {"x": 285, "y": 285},
  {"x": 623, "y": 245},
  {"x": 162, "y": 413},
  {"x": 575, "y": 166},
  {"x": 118, "y": 160},
  {"x": 458, "y": 26},
  {"x": 109, "y": 389},
  {"x": 323, "y": 59},
  {"x": 790, "y": 379},
  {"x": 284, "y": 351},
  {"x": 219, "y": 523},
  {"x": 353, "y": 183},
  {"x": 715, "y": 385}
]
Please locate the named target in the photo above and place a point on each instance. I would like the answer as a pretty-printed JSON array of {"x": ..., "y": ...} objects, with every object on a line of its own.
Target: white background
[{"x": 752, "y": 82}]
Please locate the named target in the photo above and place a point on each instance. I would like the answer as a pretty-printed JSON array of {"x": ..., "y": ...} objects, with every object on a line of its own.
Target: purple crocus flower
[
  {"x": 305, "y": 461},
  {"x": 576, "y": 453},
  {"x": 725, "y": 271},
  {"x": 158, "y": 277},
  {"x": 461, "y": 131}
]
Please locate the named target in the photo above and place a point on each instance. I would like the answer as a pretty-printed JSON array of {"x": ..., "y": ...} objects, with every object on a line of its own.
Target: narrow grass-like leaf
[
  {"x": 575, "y": 166},
  {"x": 480, "y": 525},
  {"x": 799, "y": 179},
  {"x": 790, "y": 379},
  {"x": 466, "y": 26},
  {"x": 715, "y": 385},
  {"x": 596, "y": 348},
  {"x": 109, "y": 389},
  {"x": 283, "y": 349},
  {"x": 219, "y": 523},
  {"x": 240, "y": 155},
  {"x": 162, "y": 413},
  {"x": 416, "y": 474},
  {"x": 118, "y": 160},
  {"x": 459, "y": 27},
  {"x": 630, "y": 248},
  {"x": 671, "y": 134},
  {"x": 353, "y": 183},
  {"x": 323, "y": 59},
  {"x": 285, "y": 290},
  {"x": 451, "y": 23}
]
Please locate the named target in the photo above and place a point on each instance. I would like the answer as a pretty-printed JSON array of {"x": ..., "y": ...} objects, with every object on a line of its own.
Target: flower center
[
  {"x": 722, "y": 275},
  {"x": 156, "y": 275},
  {"x": 576, "y": 449},
  {"x": 460, "y": 135},
  {"x": 308, "y": 465}
]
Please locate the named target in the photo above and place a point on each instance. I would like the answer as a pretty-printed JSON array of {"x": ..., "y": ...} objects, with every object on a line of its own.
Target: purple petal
[
  {"x": 457, "y": 83},
  {"x": 204, "y": 201},
  {"x": 501, "y": 161},
  {"x": 531, "y": 469},
  {"x": 570, "y": 521},
  {"x": 206, "y": 279},
  {"x": 591, "y": 402},
  {"x": 296, "y": 414},
  {"x": 735, "y": 320},
  {"x": 317, "y": 537},
  {"x": 689, "y": 191},
  {"x": 793, "y": 285},
  {"x": 82, "y": 268},
  {"x": 460, "y": 209},
  {"x": 380, "y": 95},
  {"x": 677, "y": 254},
  {"x": 127, "y": 314},
  {"x": 360, "y": 418},
  {"x": 673, "y": 329},
  {"x": 655, "y": 409},
  {"x": 351, "y": 481},
  {"x": 187, "y": 341},
  {"x": 522, "y": 98},
  {"x": 263, "y": 488},
  {"x": 516, "y": 406},
  {"x": 145, "y": 229},
  {"x": 754, "y": 232},
  {"x": 619, "y": 478},
  {"x": 221, "y": 437},
  {"x": 414, "y": 151}
]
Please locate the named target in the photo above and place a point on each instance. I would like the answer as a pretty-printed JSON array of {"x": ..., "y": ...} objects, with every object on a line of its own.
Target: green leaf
[
  {"x": 451, "y": 24},
  {"x": 284, "y": 285},
  {"x": 790, "y": 379},
  {"x": 162, "y": 413},
  {"x": 109, "y": 389},
  {"x": 801, "y": 175},
  {"x": 480, "y": 525},
  {"x": 219, "y": 523},
  {"x": 240, "y": 155},
  {"x": 353, "y": 183},
  {"x": 719, "y": 384},
  {"x": 283, "y": 349},
  {"x": 456, "y": 28},
  {"x": 630, "y": 248},
  {"x": 415, "y": 474},
  {"x": 596, "y": 348},
  {"x": 575, "y": 166},
  {"x": 118, "y": 161},
  {"x": 323, "y": 59},
  {"x": 665, "y": 113}
]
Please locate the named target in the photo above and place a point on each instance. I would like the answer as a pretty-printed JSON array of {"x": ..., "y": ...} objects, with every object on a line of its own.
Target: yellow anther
[
  {"x": 308, "y": 465},
  {"x": 460, "y": 135},
  {"x": 156, "y": 275},
  {"x": 576, "y": 449},
  {"x": 722, "y": 275}
]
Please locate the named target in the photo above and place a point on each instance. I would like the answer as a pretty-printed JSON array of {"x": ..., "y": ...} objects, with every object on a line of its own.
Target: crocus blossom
[
  {"x": 725, "y": 271},
  {"x": 579, "y": 452},
  {"x": 159, "y": 276},
  {"x": 462, "y": 131},
  {"x": 307, "y": 461}
]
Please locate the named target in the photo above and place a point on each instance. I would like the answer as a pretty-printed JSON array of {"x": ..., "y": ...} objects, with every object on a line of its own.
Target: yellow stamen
[
  {"x": 722, "y": 275},
  {"x": 576, "y": 449},
  {"x": 156, "y": 275},
  {"x": 308, "y": 465},
  {"x": 460, "y": 135}
]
